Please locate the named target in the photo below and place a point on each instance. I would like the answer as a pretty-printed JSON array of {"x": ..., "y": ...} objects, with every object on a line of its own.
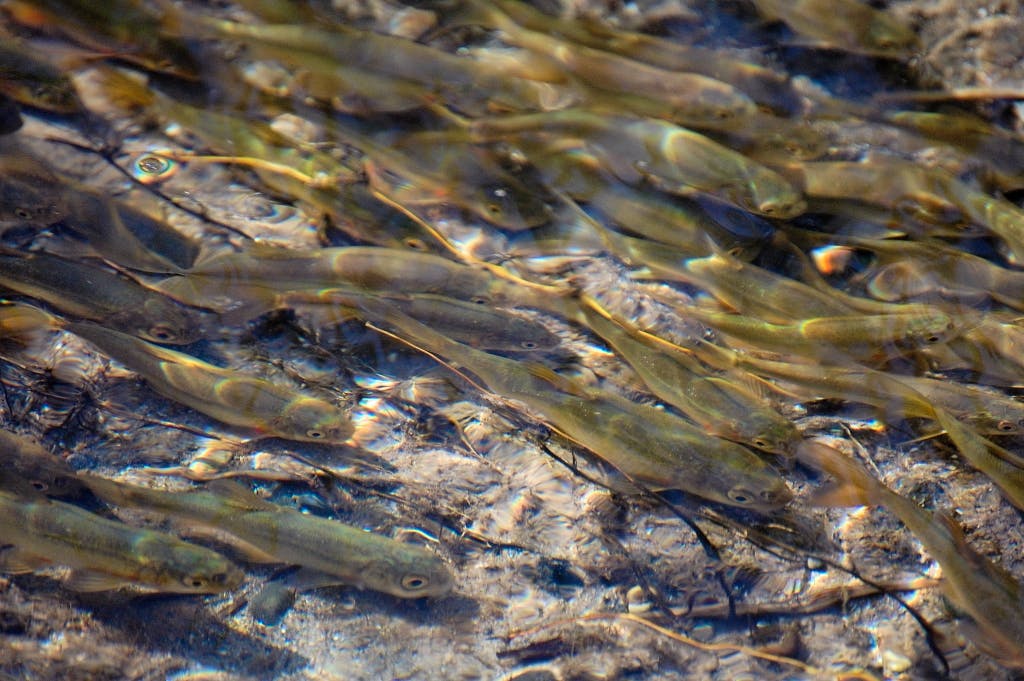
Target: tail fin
[
  {"x": 25, "y": 326},
  {"x": 852, "y": 486},
  {"x": 126, "y": 91}
]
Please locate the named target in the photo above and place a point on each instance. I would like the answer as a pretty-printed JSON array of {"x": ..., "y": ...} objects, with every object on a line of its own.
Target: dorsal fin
[
  {"x": 563, "y": 383},
  {"x": 239, "y": 496}
]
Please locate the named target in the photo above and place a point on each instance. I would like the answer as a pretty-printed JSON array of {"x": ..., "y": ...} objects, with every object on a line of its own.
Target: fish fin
[
  {"x": 17, "y": 561},
  {"x": 852, "y": 485},
  {"x": 839, "y": 495},
  {"x": 88, "y": 581},
  {"x": 566, "y": 385},
  {"x": 956, "y": 533},
  {"x": 25, "y": 325},
  {"x": 248, "y": 551},
  {"x": 126, "y": 90},
  {"x": 272, "y": 602},
  {"x": 747, "y": 383},
  {"x": 239, "y": 496},
  {"x": 307, "y": 579}
]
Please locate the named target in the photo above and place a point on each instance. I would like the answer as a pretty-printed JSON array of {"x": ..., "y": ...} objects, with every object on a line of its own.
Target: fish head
[
  {"x": 886, "y": 36},
  {"x": 58, "y": 96},
  {"x": 311, "y": 419},
  {"x": 409, "y": 573},
  {"x": 163, "y": 321},
  {"x": 720, "y": 103},
  {"x": 781, "y": 203},
  {"x": 986, "y": 422},
  {"x": 929, "y": 329},
  {"x": 767, "y": 497},
  {"x": 23, "y": 204},
  {"x": 185, "y": 568},
  {"x": 734, "y": 475},
  {"x": 510, "y": 207},
  {"x": 776, "y": 436}
]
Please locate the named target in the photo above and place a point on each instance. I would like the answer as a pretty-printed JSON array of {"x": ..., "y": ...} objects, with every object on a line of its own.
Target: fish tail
[
  {"x": 126, "y": 91},
  {"x": 24, "y": 325},
  {"x": 852, "y": 485}
]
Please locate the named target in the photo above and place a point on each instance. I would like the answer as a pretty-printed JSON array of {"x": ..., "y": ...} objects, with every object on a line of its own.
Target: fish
[
  {"x": 763, "y": 85},
  {"x": 926, "y": 196},
  {"x": 894, "y": 396},
  {"x": 752, "y": 290},
  {"x": 925, "y": 268},
  {"x": 636, "y": 149},
  {"x": 103, "y": 554},
  {"x": 127, "y": 235},
  {"x": 646, "y": 444},
  {"x": 651, "y": 214},
  {"x": 285, "y": 167},
  {"x": 987, "y": 596},
  {"x": 986, "y": 411},
  {"x": 418, "y": 173},
  {"x": 849, "y": 25},
  {"x": 477, "y": 325},
  {"x": 30, "y": 192},
  {"x": 33, "y": 81},
  {"x": 233, "y": 397},
  {"x": 346, "y": 88},
  {"x": 841, "y": 338},
  {"x": 720, "y": 406},
  {"x": 694, "y": 96},
  {"x": 126, "y": 29},
  {"x": 98, "y": 294},
  {"x": 369, "y": 268},
  {"x": 29, "y": 461},
  {"x": 1000, "y": 150},
  {"x": 266, "y": 532},
  {"x": 463, "y": 82},
  {"x": 229, "y": 135}
]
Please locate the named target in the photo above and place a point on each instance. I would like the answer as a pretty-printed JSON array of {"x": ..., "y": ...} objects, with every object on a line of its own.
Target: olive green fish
[
  {"x": 234, "y": 397},
  {"x": 647, "y": 444},
  {"x": 270, "y": 533},
  {"x": 635, "y": 149},
  {"x": 849, "y": 25},
  {"x": 720, "y": 406},
  {"x": 98, "y": 294},
  {"x": 104, "y": 554},
  {"x": 989, "y": 596}
]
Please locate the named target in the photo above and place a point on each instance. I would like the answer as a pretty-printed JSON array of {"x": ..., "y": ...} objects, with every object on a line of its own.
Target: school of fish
[{"x": 788, "y": 264}]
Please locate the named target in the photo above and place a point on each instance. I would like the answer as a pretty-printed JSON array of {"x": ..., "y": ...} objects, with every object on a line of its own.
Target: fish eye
[
  {"x": 22, "y": 213},
  {"x": 932, "y": 339},
  {"x": 162, "y": 332},
  {"x": 761, "y": 443},
  {"x": 39, "y": 485},
  {"x": 528, "y": 345},
  {"x": 314, "y": 434},
  {"x": 1005, "y": 426},
  {"x": 193, "y": 582},
  {"x": 740, "y": 495},
  {"x": 414, "y": 582},
  {"x": 479, "y": 300},
  {"x": 415, "y": 244}
]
